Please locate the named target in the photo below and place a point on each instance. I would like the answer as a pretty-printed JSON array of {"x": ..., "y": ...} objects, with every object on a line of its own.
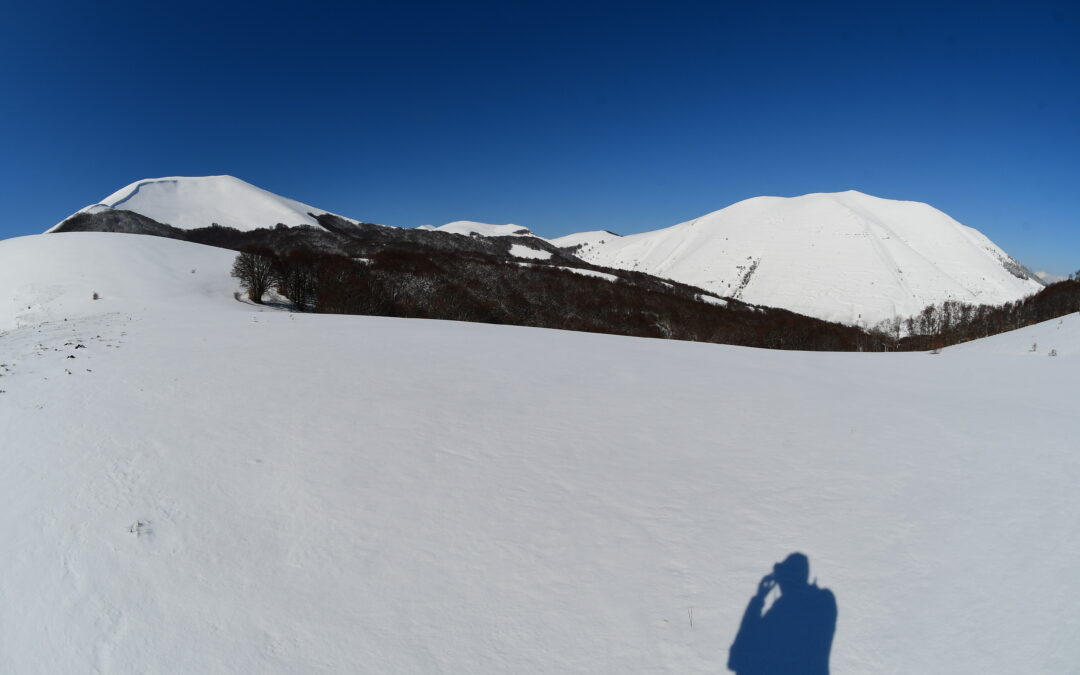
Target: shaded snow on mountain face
[
  {"x": 194, "y": 202},
  {"x": 845, "y": 256}
]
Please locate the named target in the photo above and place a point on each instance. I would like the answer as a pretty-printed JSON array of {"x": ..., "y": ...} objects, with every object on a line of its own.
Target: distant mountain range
[{"x": 847, "y": 256}]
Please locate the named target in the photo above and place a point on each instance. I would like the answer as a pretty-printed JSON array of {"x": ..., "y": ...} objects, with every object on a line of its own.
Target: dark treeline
[
  {"x": 489, "y": 289},
  {"x": 335, "y": 236},
  {"x": 953, "y": 322},
  {"x": 405, "y": 283}
]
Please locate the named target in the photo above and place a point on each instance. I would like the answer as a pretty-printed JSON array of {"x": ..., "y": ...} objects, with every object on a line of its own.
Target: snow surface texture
[
  {"x": 845, "y": 256},
  {"x": 214, "y": 487},
  {"x": 193, "y": 202}
]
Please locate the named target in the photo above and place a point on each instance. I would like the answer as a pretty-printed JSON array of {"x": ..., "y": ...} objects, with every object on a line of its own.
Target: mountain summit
[
  {"x": 843, "y": 256},
  {"x": 189, "y": 203}
]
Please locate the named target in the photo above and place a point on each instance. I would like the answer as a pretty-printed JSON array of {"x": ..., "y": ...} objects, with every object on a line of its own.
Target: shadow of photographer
[{"x": 794, "y": 637}]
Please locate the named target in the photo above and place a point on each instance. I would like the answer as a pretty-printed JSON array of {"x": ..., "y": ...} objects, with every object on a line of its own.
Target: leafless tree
[{"x": 256, "y": 274}]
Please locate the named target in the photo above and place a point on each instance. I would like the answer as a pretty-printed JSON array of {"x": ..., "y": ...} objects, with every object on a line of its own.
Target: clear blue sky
[{"x": 559, "y": 116}]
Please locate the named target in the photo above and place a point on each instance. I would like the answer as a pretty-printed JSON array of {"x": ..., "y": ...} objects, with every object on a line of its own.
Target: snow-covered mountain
[
  {"x": 189, "y": 202},
  {"x": 846, "y": 256},
  {"x": 193, "y": 484}
]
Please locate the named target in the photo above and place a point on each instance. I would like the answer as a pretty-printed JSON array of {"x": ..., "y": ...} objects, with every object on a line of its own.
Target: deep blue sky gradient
[{"x": 558, "y": 116}]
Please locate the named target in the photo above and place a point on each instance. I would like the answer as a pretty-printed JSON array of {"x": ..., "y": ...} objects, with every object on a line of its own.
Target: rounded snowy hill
[
  {"x": 469, "y": 227},
  {"x": 49, "y": 278},
  {"x": 190, "y": 202},
  {"x": 844, "y": 256}
]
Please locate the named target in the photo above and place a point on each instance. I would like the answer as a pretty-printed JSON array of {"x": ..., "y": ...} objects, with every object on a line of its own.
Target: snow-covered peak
[
  {"x": 188, "y": 202},
  {"x": 468, "y": 227},
  {"x": 841, "y": 256}
]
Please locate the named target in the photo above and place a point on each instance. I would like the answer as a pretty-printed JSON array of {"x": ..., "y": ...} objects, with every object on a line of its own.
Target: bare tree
[{"x": 256, "y": 274}]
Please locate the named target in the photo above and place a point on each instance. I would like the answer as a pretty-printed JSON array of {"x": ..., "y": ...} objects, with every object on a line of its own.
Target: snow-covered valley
[{"x": 197, "y": 484}]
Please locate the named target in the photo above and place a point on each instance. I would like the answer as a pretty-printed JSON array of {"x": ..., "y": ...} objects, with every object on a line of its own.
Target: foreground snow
[{"x": 221, "y": 488}]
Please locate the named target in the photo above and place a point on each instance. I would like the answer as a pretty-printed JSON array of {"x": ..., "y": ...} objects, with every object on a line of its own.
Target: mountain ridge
[{"x": 840, "y": 256}]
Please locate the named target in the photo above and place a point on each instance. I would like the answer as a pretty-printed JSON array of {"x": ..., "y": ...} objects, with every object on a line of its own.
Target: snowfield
[{"x": 214, "y": 487}]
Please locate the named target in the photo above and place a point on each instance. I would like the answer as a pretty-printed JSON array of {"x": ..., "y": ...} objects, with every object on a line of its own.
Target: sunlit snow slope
[
  {"x": 844, "y": 256},
  {"x": 214, "y": 487},
  {"x": 1057, "y": 337},
  {"x": 192, "y": 202}
]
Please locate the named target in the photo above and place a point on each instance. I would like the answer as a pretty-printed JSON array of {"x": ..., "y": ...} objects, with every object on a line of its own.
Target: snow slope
[
  {"x": 589, "y": 239},
  {"x": 192, "y": 202},
  {"x": 221, "y": 488},
  {"x": 50, "y": 278},
  {"x": 844, "y": 256},
  {"x": 1061, "y": 336}
]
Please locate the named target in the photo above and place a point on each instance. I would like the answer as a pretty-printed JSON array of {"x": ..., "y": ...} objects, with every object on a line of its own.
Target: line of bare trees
[{"x": 952, "y": 322}]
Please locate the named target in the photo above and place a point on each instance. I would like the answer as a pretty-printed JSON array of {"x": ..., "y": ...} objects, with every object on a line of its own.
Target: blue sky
[{"x": 559, "y": 116}]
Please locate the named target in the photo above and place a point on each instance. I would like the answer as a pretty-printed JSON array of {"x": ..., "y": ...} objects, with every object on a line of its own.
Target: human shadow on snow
[{"x": 794, "y": 636}]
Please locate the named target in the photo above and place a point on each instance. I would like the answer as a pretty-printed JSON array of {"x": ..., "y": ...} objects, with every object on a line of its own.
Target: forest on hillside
[{"x": 489, "y": 289}]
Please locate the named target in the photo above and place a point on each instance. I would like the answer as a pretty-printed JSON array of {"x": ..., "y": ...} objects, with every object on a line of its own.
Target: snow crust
[
  {"x": 192, "y": 202},
  {"x": 845, "y": 256},
  {"x": 214, "y": 487}
]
